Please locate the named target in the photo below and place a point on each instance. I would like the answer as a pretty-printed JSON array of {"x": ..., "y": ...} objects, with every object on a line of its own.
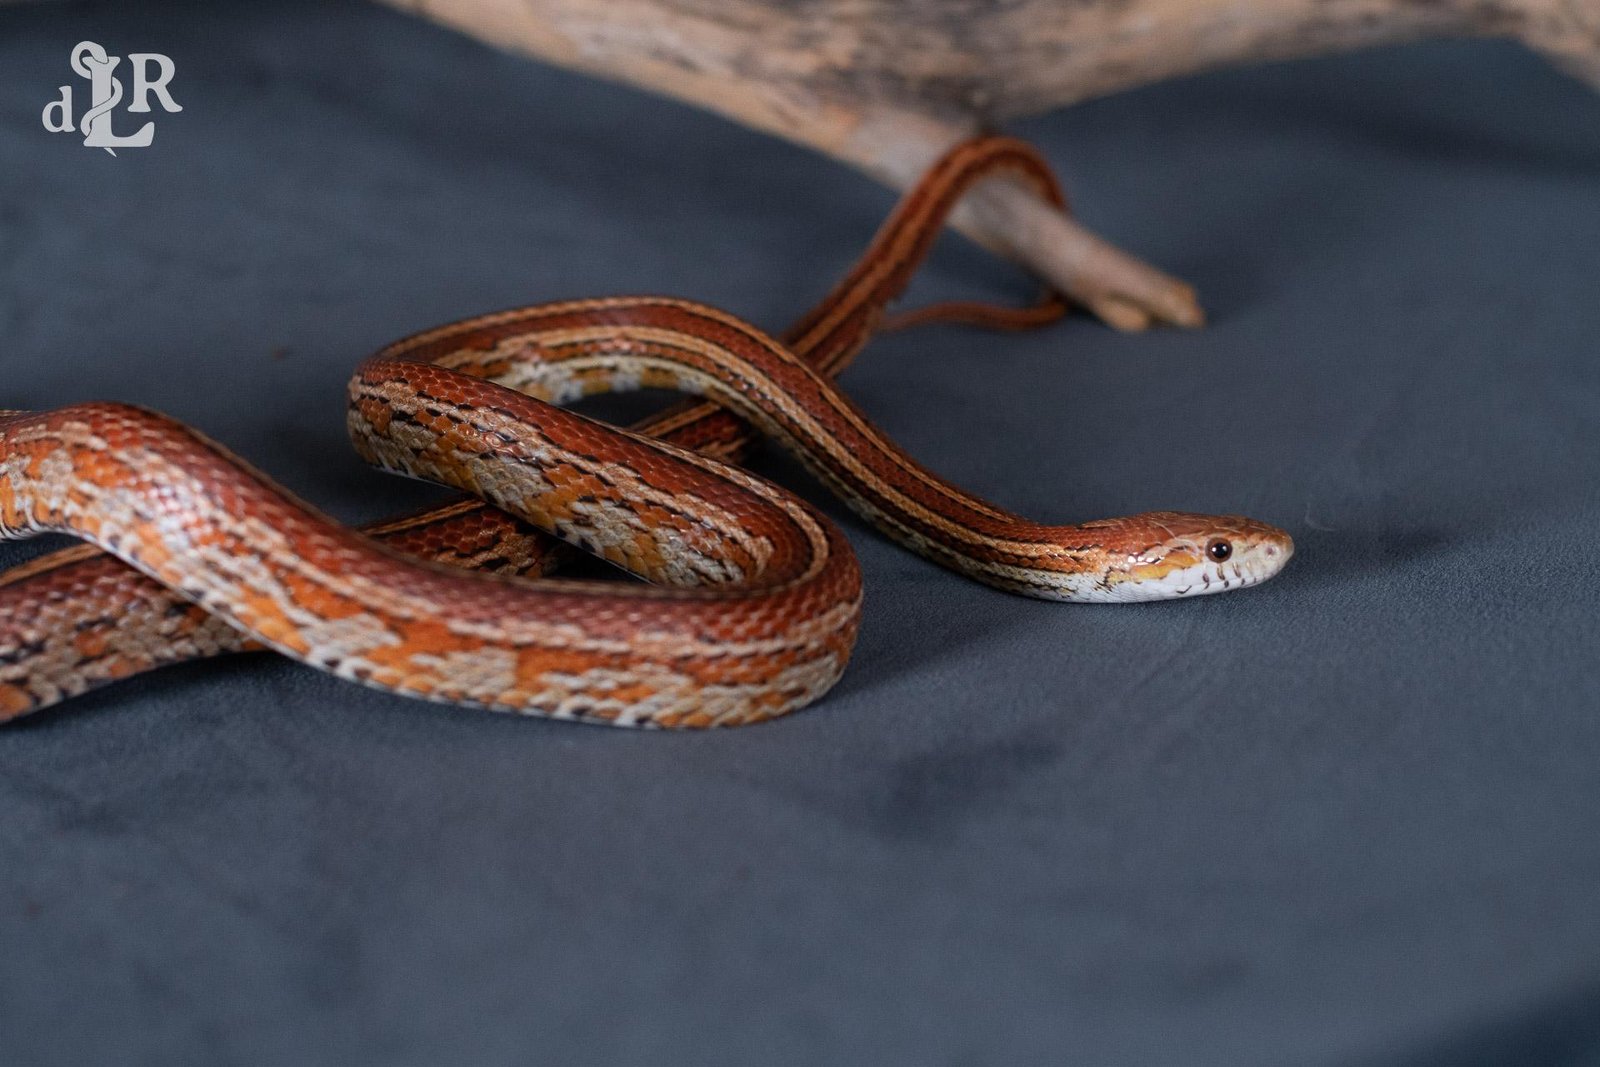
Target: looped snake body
[{"x": 755, "y": 597}]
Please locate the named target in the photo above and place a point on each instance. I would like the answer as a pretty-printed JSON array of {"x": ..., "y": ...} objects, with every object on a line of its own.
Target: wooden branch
[{"x": 887, "y": 85}]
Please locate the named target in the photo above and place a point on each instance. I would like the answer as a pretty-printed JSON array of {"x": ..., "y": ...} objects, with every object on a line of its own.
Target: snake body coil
[{"x": 755, "y": 597}]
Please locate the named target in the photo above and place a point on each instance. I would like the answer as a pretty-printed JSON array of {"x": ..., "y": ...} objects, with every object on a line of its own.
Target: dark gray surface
[{"x": 1348, "y": 818}]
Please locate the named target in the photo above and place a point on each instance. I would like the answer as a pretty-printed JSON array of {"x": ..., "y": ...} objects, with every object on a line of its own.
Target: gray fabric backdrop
[{"x": 1347, "y": 818}]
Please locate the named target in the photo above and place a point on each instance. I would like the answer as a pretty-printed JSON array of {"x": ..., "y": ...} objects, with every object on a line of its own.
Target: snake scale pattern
[{"x": 753, "y": 597}]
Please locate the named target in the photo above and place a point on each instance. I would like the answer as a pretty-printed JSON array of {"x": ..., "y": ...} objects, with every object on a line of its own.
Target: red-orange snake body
[{"x": 754, "y": 598}]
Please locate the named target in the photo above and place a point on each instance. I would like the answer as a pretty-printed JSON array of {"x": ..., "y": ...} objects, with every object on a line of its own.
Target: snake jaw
[
  {"x": 1205, "y": 577},
  {"x": 1253, "y": 560}
]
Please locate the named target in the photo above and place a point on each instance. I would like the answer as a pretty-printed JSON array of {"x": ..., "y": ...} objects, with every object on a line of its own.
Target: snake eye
[{"x": 1219, "y": 550}]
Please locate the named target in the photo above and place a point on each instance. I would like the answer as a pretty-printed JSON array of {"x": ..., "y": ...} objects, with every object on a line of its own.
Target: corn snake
[{"x": 756, "y": 599}]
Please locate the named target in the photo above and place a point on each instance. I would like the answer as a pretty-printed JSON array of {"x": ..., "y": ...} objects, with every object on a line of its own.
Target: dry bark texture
[{"x": 887, "y": 85}]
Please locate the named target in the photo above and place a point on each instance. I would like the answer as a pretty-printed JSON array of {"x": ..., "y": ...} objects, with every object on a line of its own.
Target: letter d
[{"x": 64, "y": 124}]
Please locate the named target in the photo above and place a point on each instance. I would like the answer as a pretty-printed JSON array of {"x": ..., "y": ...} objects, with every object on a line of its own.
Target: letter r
[{"x": 143, "y": 84}]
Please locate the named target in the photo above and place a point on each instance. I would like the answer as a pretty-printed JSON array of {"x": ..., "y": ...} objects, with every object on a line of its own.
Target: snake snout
[{"x": 1262, "y": 552}]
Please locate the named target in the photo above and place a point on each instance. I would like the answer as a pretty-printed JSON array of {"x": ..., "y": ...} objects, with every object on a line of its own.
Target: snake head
[{"x": 1164, "y": 555}]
